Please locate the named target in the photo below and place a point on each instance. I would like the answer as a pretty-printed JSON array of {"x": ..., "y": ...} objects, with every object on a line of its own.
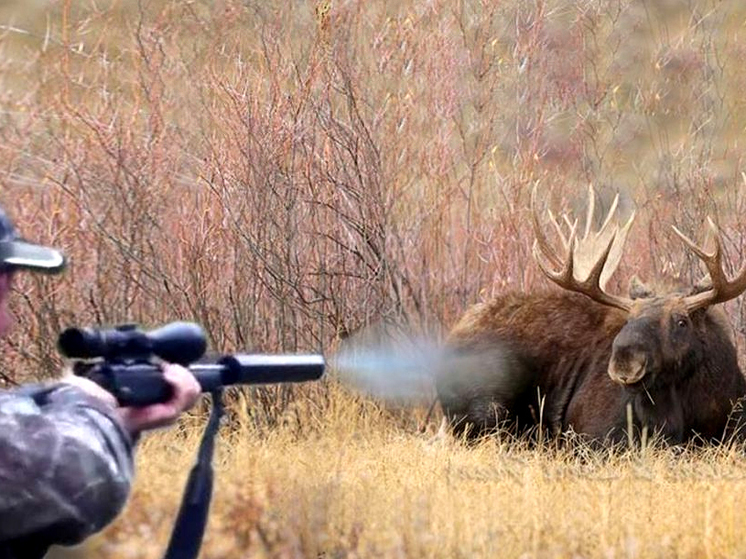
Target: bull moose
[{"x": 586, "y": 360}]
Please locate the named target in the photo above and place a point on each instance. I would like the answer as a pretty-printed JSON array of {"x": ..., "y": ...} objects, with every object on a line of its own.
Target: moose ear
[{"x": 638, "y": 290}]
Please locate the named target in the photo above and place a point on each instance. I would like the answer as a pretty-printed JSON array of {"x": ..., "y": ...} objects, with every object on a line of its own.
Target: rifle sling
[{"x": 186, "y": 537}]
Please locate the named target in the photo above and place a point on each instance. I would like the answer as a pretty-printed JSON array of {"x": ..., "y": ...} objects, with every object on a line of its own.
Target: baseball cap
[{"x": 19, "y": 254}]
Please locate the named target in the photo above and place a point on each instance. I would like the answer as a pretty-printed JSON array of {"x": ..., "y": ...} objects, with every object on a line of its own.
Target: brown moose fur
[{"x": 522, "y": 360}]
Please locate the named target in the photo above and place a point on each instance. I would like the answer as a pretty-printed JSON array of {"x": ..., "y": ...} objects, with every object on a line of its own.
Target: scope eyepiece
[{"x": 177, "y": 342}]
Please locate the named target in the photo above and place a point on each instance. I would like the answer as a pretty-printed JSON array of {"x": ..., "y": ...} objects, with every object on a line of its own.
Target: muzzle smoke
[{"x": 388, "y": 364}]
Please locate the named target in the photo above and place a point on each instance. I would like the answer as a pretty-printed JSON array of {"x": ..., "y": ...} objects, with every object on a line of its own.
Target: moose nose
[{"x": 628, "y": 365}]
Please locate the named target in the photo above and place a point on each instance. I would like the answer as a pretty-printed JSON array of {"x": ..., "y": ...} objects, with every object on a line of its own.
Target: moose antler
[
  {"x": 722, "y": 289},
  {"x": 590, "y": 261}
]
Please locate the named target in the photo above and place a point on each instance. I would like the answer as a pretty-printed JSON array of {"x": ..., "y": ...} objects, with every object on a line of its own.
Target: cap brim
[{"x": 20, "y": 255}]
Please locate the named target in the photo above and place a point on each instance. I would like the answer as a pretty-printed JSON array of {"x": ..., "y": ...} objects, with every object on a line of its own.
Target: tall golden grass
[
  {"x": 287, "y": 174},
  {"x": 355, "y": 484}
]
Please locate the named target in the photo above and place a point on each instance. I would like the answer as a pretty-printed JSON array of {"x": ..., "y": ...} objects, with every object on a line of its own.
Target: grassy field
[
  {"x": 355, "y": 482},
  {"x": 291, "y": 174}
]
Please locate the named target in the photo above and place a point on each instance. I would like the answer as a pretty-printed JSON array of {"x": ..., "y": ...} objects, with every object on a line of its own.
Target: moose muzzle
[
  {"x": 627, "y": 367},
  {"x": 633, "y": 354}
]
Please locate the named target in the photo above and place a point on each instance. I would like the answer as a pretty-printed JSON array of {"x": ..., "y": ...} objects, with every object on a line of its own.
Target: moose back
[{"x": 585, "y": 360}]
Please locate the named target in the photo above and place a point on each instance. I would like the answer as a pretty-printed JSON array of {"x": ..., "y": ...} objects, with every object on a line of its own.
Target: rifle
[{"x": 123, "y": 360}]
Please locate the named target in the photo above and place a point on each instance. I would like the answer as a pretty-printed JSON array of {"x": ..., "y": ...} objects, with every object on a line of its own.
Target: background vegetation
[{"x": 288, "y": 174}]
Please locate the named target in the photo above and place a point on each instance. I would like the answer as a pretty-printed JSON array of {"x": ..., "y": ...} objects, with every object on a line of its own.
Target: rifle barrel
[
  {"x": 269, "y": 369},
  {"x": 258, "y": 369}
]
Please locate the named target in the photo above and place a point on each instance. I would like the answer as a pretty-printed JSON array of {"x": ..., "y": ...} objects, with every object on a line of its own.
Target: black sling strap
[{"x": 186, "y": 538}]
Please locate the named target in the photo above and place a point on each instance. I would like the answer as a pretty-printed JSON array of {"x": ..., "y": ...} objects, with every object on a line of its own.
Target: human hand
[{"x": 186, "y": 392}]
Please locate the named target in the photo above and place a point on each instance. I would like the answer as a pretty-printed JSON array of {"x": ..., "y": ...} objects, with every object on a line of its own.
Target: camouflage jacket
[{"x": 65, "y": 468}]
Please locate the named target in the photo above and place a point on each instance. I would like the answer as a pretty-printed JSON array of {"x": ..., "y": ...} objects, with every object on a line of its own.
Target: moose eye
[{"x": 682, "y": 323}]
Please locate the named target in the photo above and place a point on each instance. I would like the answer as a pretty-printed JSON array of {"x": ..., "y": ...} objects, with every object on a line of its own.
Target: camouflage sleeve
[{"x": 65, "y": 464}]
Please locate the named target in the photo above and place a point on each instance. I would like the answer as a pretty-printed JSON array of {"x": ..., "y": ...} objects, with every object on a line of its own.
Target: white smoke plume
[{"x": 387, "y": 363}]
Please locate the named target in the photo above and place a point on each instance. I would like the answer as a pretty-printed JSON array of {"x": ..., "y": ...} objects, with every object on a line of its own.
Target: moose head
[{"x": 661, "y": 340}]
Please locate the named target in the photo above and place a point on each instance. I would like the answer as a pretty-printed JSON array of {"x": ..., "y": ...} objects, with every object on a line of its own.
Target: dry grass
[
  {"x": 357, "y": 486},
  {"x": 287, "y": 174}
]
